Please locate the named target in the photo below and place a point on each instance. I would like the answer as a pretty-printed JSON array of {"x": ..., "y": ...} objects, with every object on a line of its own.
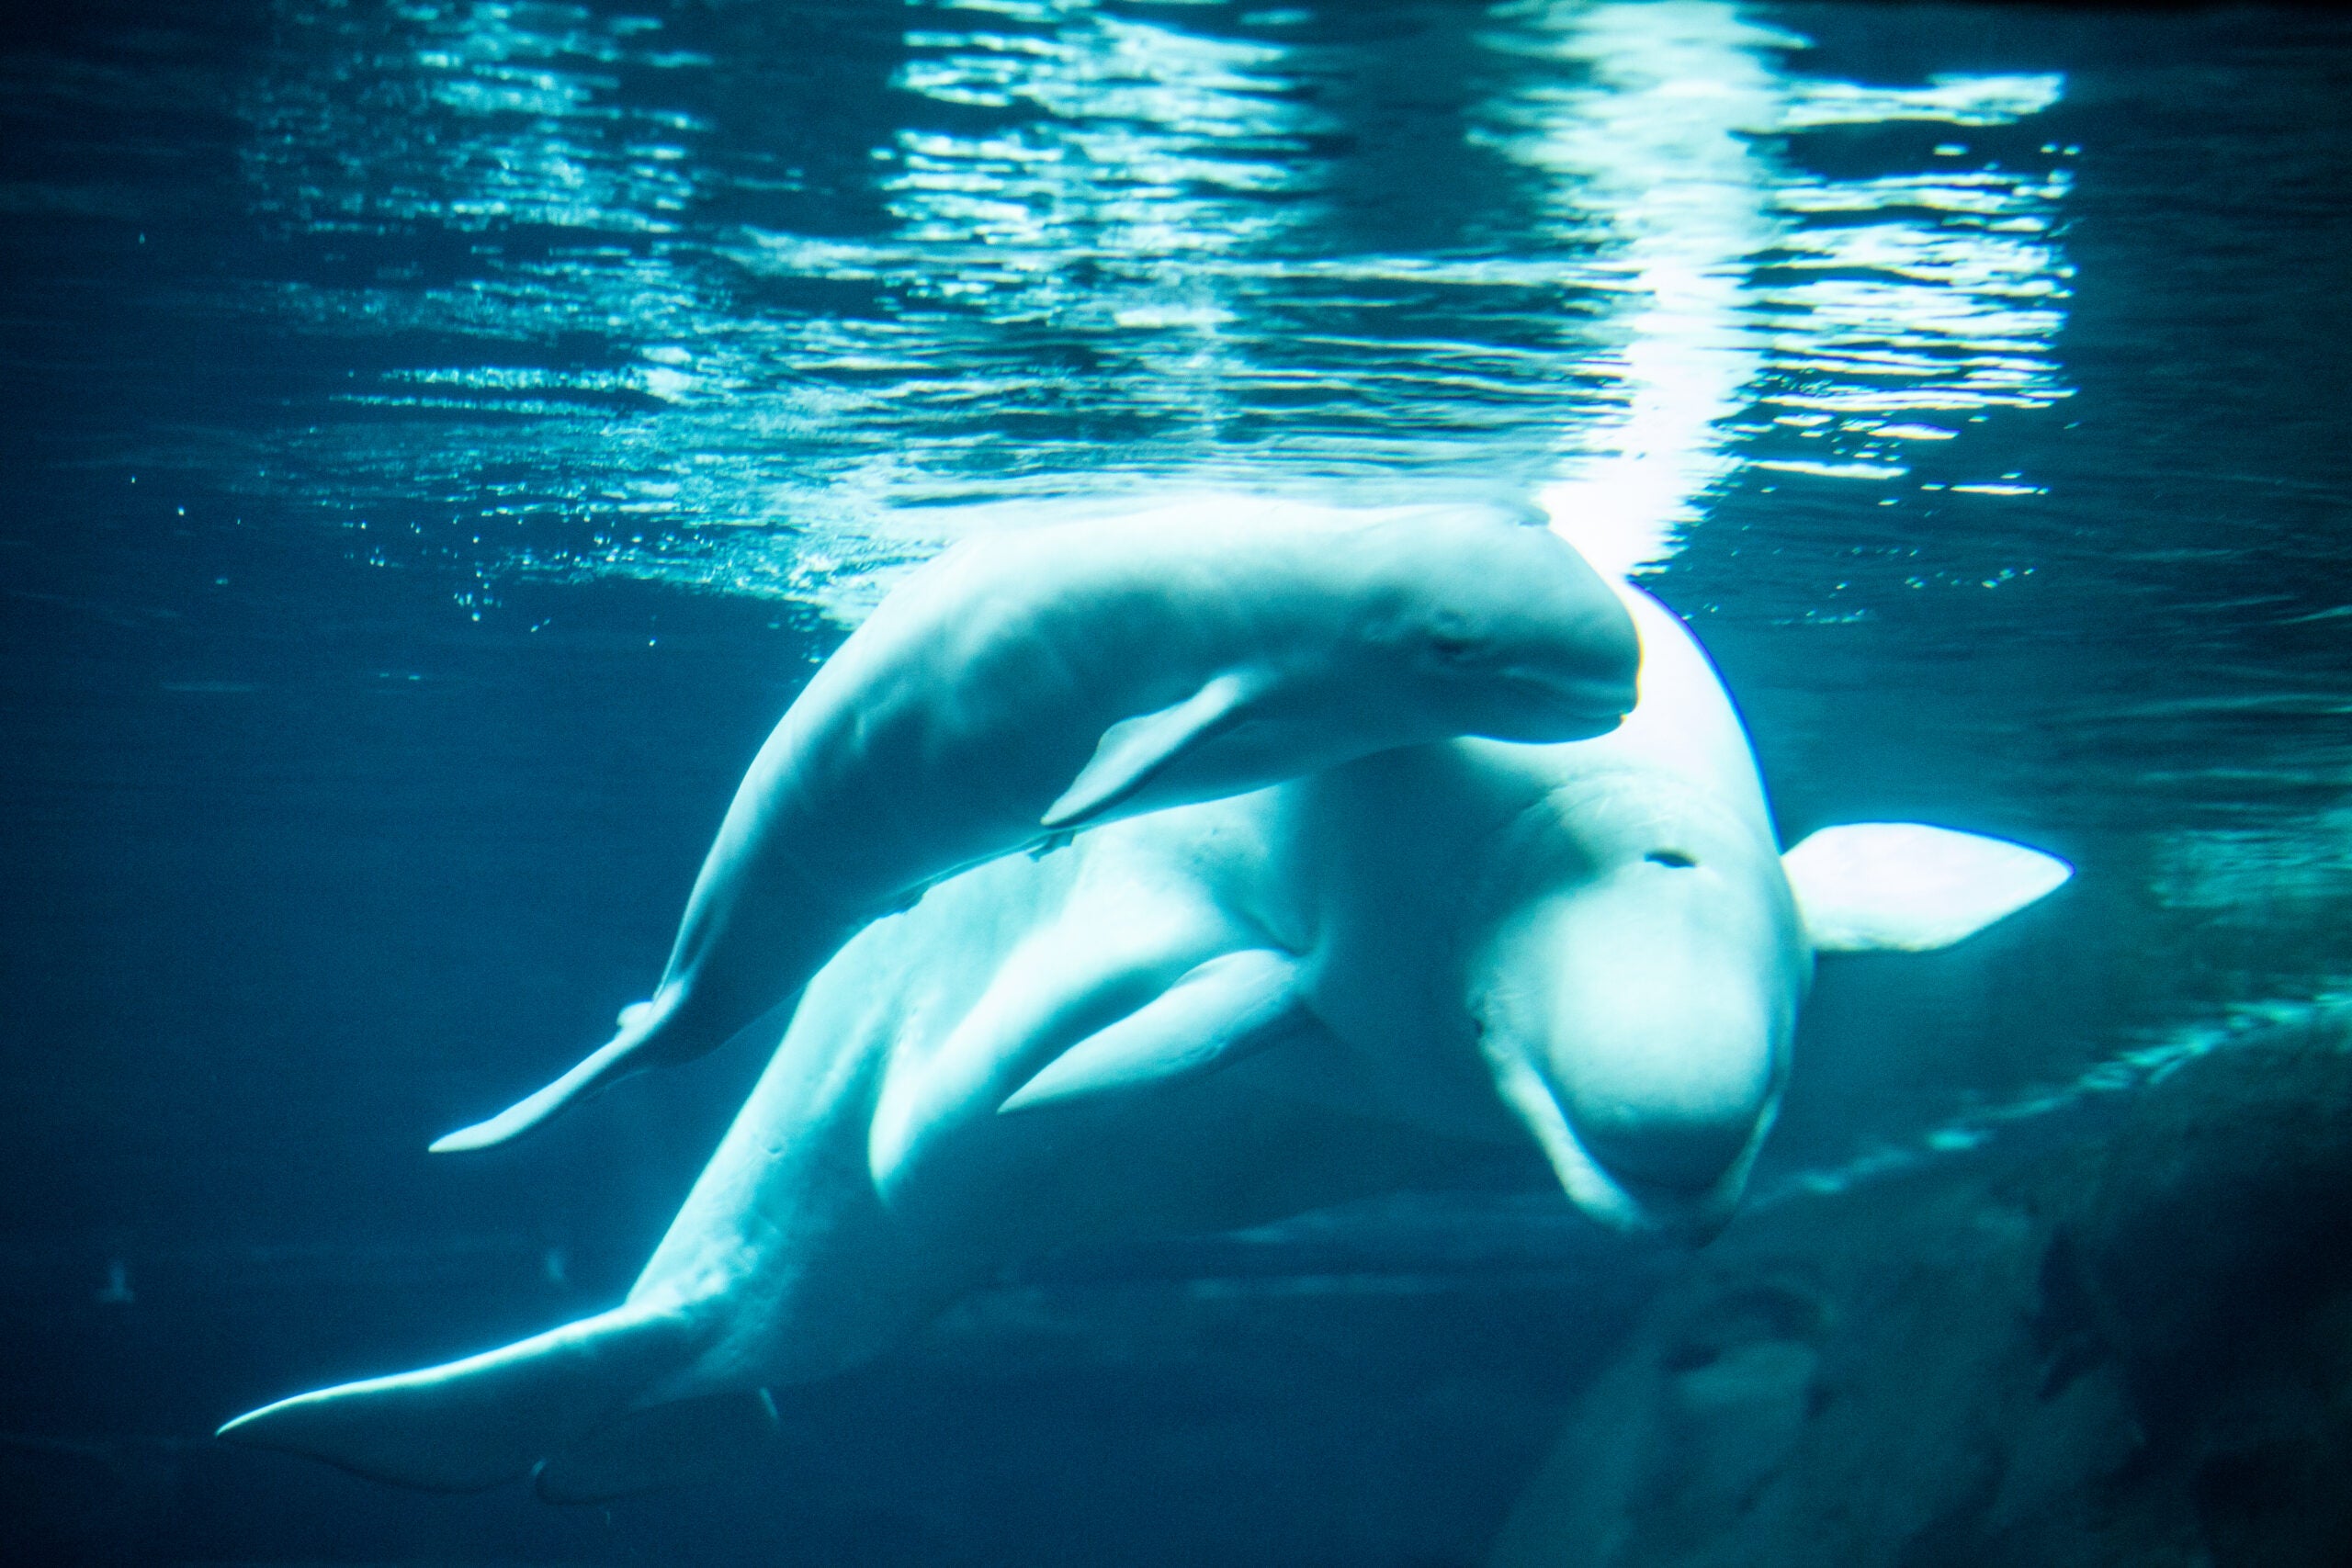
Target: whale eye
[{"x": 1674, "y": 858}]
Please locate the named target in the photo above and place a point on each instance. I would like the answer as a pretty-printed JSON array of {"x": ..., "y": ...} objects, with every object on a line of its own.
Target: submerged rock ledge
[{"x": 2135, "y": 1350}]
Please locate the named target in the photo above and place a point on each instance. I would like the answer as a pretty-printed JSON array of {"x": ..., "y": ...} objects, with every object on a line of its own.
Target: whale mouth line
[
  {"x": 1690, "y": 1214},
  {"x": 1584, "y": 688},
  {"x": 1541, "y": 707}
]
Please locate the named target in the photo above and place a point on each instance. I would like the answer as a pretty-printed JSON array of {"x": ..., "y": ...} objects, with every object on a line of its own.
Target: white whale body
[
  {"x": 1039, "y": 680},
  {"x": 1213, "y": 1016}
]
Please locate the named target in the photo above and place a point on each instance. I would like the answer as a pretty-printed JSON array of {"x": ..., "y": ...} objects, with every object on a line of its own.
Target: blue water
[{"x": 441, "y": 438}]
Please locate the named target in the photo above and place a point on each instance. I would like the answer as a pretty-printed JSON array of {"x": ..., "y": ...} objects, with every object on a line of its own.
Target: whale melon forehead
[{"x": 1481, "y": 562}]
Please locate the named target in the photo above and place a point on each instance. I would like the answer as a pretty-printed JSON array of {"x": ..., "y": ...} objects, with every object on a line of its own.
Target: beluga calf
[
  {"x": 1213, "y": 1016},
  {"x": 1034, "y": 682}
]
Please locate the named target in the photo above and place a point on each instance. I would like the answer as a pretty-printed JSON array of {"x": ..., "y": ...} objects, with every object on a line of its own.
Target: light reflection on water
[
  {"x": 469, "y": 118},
  {"x": 1104, "y": 254},
  {"x": 1650, "y": 152}
]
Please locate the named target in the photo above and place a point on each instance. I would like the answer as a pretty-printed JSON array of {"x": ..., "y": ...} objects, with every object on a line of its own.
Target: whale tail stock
[{"x": 468, "y": 1424}]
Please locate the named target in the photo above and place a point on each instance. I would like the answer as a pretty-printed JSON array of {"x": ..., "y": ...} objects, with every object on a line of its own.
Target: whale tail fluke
[
  {"x": 647, "y": 1040},
  {"x": 600, "y": 1069},
  {"x": 469, "y": 1425},
  {"x": 661, "y": 1033}
]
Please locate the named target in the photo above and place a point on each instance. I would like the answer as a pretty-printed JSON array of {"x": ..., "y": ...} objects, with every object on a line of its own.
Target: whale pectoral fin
[
  {"x": 472, "y": 1424},
  {"x": 1134, "y": 751},
  {"x": 668, "y": 1445},
  {"x": 1906, "y": 888},
  {"x": 1219, "y": 1012}
]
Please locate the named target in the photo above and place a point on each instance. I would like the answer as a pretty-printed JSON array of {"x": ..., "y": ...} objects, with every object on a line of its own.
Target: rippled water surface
[
  {"x": 441, "y": 436},
  {"x": 718, "y": 299}
]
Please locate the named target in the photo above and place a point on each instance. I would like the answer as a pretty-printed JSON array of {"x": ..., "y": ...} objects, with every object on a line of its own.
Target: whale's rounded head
[
  {"x": 1502, "y": 627},
  {"x": 1638, "y": 1020}
]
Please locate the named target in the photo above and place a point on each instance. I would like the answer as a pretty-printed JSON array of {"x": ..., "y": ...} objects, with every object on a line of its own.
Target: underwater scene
[{"x": 1167, "y": 781}]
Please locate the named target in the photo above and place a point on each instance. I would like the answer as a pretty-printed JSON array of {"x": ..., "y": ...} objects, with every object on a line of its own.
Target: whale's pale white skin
[
  {"x": 1213, "y": 1016},
  {"x": 1045, "y": 680}
]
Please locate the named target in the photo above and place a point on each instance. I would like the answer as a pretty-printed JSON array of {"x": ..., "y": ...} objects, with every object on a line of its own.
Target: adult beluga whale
[
  {"x": 1043, "y": 680},
  {"x": 1213, "y": 1016}
]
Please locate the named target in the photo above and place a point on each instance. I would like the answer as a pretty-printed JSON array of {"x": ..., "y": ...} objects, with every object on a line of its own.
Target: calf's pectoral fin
[
  {"x": 472, "y": 1424},
  {"x": 1232, "y": 1007},
  {"x": 1906, "y": 888},
  {"x": 1134, "y": 751}
]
